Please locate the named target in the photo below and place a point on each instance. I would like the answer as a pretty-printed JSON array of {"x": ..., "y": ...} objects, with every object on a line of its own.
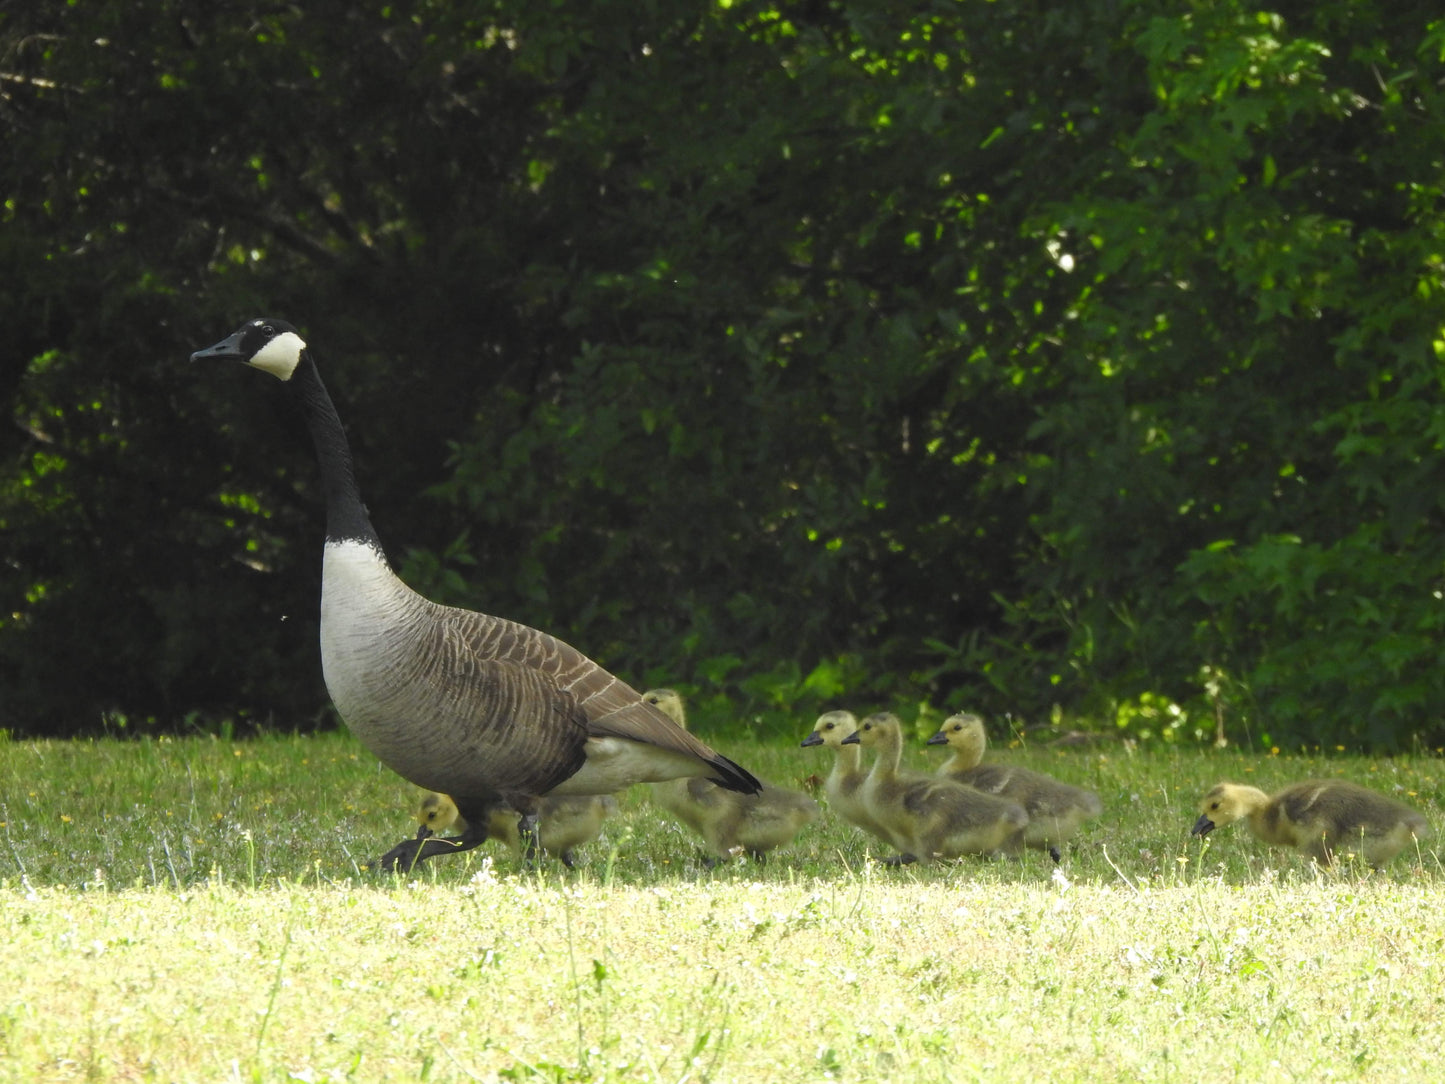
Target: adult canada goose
[
  {"x": 728, "y": 822},
  {"x": 491, "y": 712},
  {"x": 845, "y": 781},
  {"x": 926, "y": 816},
  {"x": 563, "y": 821},
  {"x": 1055, "y": 809},
  {"x": 1320, "y": 817}
]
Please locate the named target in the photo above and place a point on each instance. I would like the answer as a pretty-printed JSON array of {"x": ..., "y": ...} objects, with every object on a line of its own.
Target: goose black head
[{"x": 269, "y": 344}]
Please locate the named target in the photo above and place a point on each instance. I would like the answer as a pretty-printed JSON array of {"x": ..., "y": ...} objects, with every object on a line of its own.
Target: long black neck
[{"x": 346, "y": 518}]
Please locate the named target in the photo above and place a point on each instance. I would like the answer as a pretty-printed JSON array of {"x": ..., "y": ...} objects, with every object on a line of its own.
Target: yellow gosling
[
  {"x": 928, "y": 817},
  {"x": 1055, "y": 809},
  {"x": 1321, "y": 818},
  {"x": 564, "y": 822},
  {"x": 844, "y": 783},
  {"x": 729, "y": 823}
]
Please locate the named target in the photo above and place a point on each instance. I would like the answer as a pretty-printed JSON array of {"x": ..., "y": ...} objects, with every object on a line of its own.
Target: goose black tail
[{"x": 732, "y": 776}]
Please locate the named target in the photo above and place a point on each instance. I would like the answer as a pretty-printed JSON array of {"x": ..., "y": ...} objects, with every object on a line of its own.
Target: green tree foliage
[{"x": 1023, "y": 356}]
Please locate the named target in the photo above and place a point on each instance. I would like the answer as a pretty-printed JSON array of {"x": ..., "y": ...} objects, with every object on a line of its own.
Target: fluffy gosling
[
  {"x": 1318, "y": 817},
  {"x": 564, "y": 822},
  {"x": 928, "y": 817},
  {"x": 1055, "y": 809},
  {"x": 728, "y": 822},
  {"x": 845, "y": 782}
]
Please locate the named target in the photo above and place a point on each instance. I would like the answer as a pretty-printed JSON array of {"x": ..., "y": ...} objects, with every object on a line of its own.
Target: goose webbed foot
[
  {"x": 404, "y": 857},
  {"x": 1055, "y": 855},
  {"x": 410, "y": 853},
  {"x": 899, "y": 860}
]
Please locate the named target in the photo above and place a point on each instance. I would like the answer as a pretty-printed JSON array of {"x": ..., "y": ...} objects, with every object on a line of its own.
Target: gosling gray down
[
  {"x": 563, "y": 822},
  {"x": 926, "y": 816},
  {"x": 844, "y": 783},
  {"x": 728, "y": 822},
  {"x": 491, "y": 712},
  {"x": 1055, "y": 809},
  {"x": 1318, "y": 817}
]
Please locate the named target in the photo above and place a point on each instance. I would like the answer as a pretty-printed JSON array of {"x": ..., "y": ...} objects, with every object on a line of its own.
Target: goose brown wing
[
  {"x": 524, "y": 729},
  {"x": 637, "y": 720},
  {"x": 609, "y": 706},
  {"x": 530, "y": 733}
]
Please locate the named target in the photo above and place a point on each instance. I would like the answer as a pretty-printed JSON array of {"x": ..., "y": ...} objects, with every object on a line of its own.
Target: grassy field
[{"x": 203, "y": 910}]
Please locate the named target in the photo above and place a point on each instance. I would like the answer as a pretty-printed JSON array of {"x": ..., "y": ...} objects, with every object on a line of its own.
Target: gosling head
[
  {"x": 266, "y": 343},
  {"x": 1221, "y": 806},
  {"x": 962, "y": 730},
  {"x": 874, "y": 728},
  {"x": 669, "y": 702},
  {"x": 437, "y": 813},
  {"x": 832, "y": 728}
]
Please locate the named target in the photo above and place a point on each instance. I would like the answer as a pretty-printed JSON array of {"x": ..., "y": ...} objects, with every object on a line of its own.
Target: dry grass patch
[{"x": 865, "y": 978}]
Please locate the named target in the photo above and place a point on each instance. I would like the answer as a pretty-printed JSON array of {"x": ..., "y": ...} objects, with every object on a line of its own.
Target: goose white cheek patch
[{"x": 280, "y": 356}]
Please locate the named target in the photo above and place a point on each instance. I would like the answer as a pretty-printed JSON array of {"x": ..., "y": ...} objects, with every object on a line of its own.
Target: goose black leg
[{"x": 527, "y": 830}]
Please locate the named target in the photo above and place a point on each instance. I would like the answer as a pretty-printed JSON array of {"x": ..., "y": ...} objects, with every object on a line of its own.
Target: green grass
[{"x": 201, "y": 910}]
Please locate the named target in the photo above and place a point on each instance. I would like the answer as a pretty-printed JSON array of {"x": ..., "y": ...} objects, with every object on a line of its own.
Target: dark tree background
[{"x": 1064, "y": 359}]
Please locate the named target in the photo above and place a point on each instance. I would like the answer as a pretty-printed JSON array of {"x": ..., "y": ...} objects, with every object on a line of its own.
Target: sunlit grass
[{"x": 202, "y": 909}]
